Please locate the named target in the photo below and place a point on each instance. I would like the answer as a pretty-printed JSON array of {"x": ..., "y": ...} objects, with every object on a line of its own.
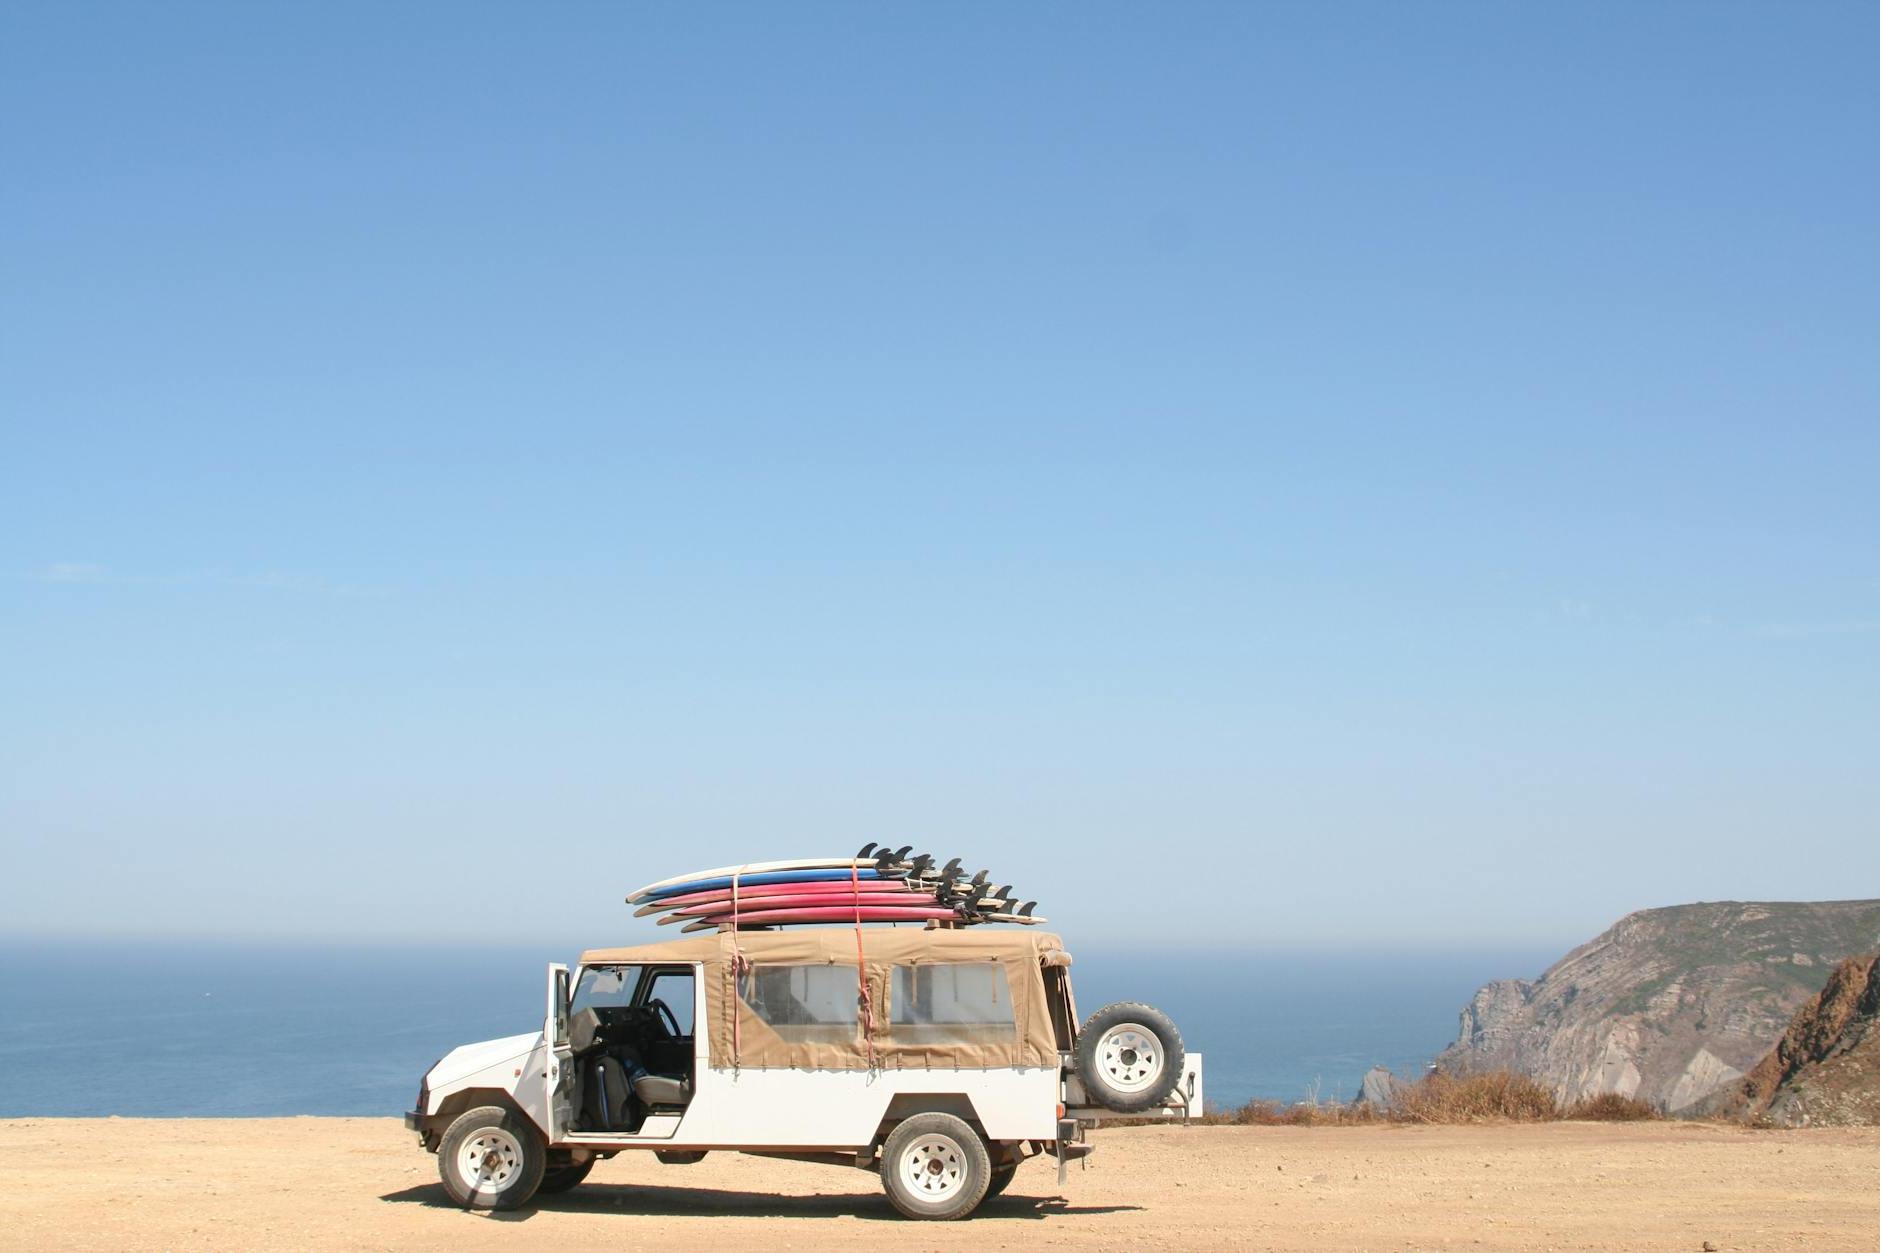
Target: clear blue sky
[{"x": 1323, "y": 474}]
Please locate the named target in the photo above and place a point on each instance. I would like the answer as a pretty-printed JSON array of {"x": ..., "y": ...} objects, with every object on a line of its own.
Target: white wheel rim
[
  {"x": 490, "y": 1161},
  {"x": 934, "y": 1167},
  {"x": 1130, "y": 1057}
]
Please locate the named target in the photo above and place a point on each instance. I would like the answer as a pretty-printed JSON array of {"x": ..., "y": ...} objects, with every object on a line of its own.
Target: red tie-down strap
[
  {"x": 864, "y": 1001},
  {"x": 740, "y": 964}
]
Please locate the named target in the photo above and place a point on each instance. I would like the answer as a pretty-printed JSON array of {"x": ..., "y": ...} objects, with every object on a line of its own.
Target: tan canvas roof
[{"x": 739, "y": 1037}]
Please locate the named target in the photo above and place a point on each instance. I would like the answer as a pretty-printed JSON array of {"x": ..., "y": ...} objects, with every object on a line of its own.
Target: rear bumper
[{"x": 414, "y": 1121}]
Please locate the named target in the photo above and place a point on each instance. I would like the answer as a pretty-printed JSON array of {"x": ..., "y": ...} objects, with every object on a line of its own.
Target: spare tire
[{"x": 1129, "y": 1056}]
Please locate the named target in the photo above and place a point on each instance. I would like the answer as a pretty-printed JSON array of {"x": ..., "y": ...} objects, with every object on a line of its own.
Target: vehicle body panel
[
  {"x": 771, "y": 1108},
  {"x": 782, "y": 1108}
]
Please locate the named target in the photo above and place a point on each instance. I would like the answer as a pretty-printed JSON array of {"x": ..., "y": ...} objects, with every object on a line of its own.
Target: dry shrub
[
  {"x": 1252, "y": 1114},
  {"x": 1490, "y": 1096},
  {"x": 1611, "y": 1107},
  {"x": 1303, "y": 1114}
]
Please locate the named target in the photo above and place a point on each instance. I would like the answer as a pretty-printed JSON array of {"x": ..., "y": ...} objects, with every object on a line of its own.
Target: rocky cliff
[
  {"x": 1826, "y": 1067},
  {"x": 1669, "y": 1005}
]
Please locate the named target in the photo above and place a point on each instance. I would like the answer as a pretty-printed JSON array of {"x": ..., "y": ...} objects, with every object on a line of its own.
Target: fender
[{"x": 502, "y": 1064}]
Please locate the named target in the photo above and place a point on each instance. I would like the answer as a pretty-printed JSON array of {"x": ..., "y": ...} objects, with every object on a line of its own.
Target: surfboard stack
[{"x": 877, "y": 885}]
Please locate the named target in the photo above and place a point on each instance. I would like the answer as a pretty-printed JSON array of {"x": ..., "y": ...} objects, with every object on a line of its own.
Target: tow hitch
[{"x": 1069, "y": 1146}]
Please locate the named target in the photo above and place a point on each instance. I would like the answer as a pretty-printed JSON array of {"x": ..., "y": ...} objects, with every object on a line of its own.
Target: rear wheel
[
  {"x": 563, "y": 1177},
  {"x": 1000, "y": 1178},
  {"x": 491, "y": 1158},
  {"x": 935, "y": 1166}
]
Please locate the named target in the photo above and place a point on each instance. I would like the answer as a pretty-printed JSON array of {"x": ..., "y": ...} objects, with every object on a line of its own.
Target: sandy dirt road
[{"x": 337, "y": 1183}]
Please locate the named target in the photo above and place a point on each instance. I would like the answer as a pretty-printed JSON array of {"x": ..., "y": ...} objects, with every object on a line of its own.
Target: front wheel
[
  {"x": 935, "y": 1166},
  {"x": 491, "y": 1158},
  {"x": 1001, "y": 1178}
]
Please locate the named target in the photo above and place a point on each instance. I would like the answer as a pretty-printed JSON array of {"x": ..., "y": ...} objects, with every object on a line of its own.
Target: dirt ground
[{"x": 345, "y": 1183}]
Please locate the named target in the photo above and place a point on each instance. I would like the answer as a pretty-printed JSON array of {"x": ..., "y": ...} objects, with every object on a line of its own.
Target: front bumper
[{"x": 414, "y": 1121}]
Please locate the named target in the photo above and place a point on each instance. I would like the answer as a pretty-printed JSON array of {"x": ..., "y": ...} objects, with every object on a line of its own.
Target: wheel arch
[
  {"x": 466, "y": 1099},
  {"x": 905, "y": 1105}
]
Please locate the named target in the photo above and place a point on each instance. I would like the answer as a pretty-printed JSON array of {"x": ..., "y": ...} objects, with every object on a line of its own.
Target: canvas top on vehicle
[{"x": 933, "y": 998}]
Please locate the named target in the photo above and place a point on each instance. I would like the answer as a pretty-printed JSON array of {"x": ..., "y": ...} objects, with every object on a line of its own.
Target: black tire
[
  {"x": 563, "y": 1177},
  {"x": 1129, "y": 1056},
  {"x": 935, "y": 1166},
  {"x": 679, "y": 1157},
  {"x": 504, "y": 1139},
  {"x": 1000, "y": 1180}
]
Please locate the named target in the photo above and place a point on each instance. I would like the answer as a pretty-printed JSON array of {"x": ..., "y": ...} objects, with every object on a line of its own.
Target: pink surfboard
[
  {"x": 877, "y": 900},
  {"x": 841, "y": 888},
  {"x": 867, "y": 900},
  {"x": 872, "y": 913}
]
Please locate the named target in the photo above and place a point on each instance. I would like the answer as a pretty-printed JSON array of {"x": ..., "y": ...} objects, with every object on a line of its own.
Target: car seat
[{"x": 619, "y": 1076}]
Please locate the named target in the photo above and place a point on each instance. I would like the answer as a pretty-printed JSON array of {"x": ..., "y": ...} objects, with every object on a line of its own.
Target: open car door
[{"x": 560, "y": 1077}]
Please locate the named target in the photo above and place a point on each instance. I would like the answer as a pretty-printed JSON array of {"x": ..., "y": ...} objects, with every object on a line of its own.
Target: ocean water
[{"x": 168, "y": 1030}]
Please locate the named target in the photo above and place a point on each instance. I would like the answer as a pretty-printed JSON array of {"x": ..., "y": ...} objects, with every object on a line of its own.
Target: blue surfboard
[{"x": 753, "y": 880}]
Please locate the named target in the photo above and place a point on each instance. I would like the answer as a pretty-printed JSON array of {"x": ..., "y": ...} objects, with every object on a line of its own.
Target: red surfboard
[
  {"x": 840, "y": 888},
  {"x": 871, "y": 913},
  {"x": 867, "y": 900}
]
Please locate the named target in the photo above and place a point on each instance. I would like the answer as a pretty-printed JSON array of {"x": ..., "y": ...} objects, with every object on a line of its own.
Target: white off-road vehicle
[{"x": 942, "y": 1058}]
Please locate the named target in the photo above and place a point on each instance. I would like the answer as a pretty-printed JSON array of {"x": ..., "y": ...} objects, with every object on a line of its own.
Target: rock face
[
  {"x": 1669, "y": 1005},
  {"x": 1826, "y": 1068},
  {"x": 1380, "y": 1088}
]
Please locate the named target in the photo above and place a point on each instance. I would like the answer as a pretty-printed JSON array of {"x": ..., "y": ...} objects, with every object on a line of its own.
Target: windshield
[{"x": 605, "y": 987}]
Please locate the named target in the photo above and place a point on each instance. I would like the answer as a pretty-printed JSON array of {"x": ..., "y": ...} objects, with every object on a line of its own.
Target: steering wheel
[{"x": 672, "y": 1019}]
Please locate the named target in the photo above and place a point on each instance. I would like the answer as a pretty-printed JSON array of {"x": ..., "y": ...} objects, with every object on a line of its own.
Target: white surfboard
[{"x": 756, "y": 867}]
